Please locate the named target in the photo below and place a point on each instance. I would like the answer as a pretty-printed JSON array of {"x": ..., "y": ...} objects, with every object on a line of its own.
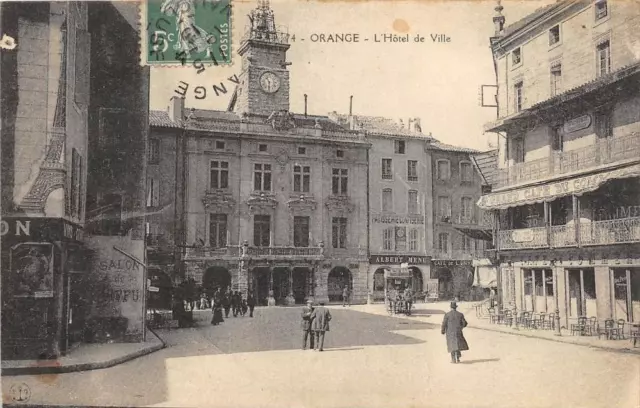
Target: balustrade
[{"x": 605, "y": 151}]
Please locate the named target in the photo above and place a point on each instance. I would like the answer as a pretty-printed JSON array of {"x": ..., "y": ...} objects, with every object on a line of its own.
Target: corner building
[
  {"x": 267, "y": 200},
  {"x": 567, "y": 190}
]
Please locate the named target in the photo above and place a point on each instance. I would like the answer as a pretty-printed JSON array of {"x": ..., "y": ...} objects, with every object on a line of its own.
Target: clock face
[{"x": 269, "y": 82}]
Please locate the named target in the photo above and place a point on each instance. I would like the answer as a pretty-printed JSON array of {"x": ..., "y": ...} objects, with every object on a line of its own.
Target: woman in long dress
[
  {"x": 217, "y": 308},
  {"x": 190, "y": 36}
]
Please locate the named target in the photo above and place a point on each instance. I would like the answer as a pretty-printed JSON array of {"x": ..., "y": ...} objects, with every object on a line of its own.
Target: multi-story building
[
  {"x": 457, "y": 221},
  {"x": 566, "y": 192},
  {"x": 56, "y": 83},
  {"x": 267, "y": 200}
]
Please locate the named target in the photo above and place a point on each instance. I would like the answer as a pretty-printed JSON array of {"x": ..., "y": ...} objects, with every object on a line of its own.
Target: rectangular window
[
  {"x": 466, "y": 172},
  {"x": 467, "y": 243},
  {"x": 518, "y": 150},
  {"x": 219, "y": 174},
  {"x": 443, "y": 242},
  {"x": 401, "y": 239},
  {"x": 444, "y": 207},
  {"x": 412, "y": 206},
  {"x": 153, "y": 193},
  {"x": 219, "y": 145},
  {"x": 301, "y": 179},
  {"x": 386, "y": 169},
  {"x": 261, "y": 230},
  {"x": 217, "y": 230},
  {"x": 516, "y": 56},
  {"x": 154, "y": 150},
  {"x": 413, "y": 240},
  {"x": 556, "y": 79},
  {"x": 554, "y": 35},
  {"x": 302, "y": 150},
  {"x": 601, "y": 9},
  {"x": 262, "y": 177},
  {"x": 412, "y": 170},
  {"x": 301, "y": 231},
  {"x": 339, "y": 181},
  {"x": 262, "y": 147},
  {"x": 466, "y": 210},
  {"x": 517, "y": 96},
  {"x": 603, "y": 125},
  {"x": 339, "y": 232},
  {"x": 387, "y": 200},
  {"x": 399, "y": 146},
  {"x": 557, "y": 144},
  {"x": 340, "y": 153},
  {"x": 387, "y": 239},
  {"x": 443, "y": 170},
  {"x": 603, "y": 53}
]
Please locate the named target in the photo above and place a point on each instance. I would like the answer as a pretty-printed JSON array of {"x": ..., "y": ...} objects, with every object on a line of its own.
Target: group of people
[
  {"x": 231, "y": 302},
  {"x": 315, "y": 322},
  {"x": 401, "y": 301}
]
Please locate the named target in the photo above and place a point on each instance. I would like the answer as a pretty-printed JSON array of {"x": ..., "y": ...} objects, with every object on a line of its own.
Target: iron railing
[{"x": 605, "y": 151}]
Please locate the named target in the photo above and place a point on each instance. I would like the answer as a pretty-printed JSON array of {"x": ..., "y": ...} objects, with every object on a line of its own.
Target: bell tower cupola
[{"x": 264, "y": 79}]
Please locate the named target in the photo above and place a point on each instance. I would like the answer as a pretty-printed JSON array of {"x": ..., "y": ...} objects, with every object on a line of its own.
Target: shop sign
[
  {"x": 398, "y": 259},
  {"x": 451, "y": 262},
  {"x": 551, "y": 191},
  {"x": 579, "y": 123},
  {"x": 396, "y": 219},
  {"x": 40, "y": 229}
]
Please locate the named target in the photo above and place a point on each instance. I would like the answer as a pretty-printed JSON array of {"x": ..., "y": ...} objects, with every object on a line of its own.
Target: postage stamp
[{"x": 178, "y": 32}]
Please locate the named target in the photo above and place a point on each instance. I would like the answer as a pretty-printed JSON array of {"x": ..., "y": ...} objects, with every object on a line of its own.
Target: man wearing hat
[
  {"x": 452, "y": 326},
  {"x": 306, "y": 325}
]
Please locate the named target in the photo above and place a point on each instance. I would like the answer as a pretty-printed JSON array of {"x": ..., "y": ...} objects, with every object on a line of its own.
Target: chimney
[
  {"x": 351, "y": 105},
  {"x": 498, "y": 19},
  {"x": 305, "y": 105},
  {"x": 416, "y": 125},
  {"x": 176, "y": 108}
]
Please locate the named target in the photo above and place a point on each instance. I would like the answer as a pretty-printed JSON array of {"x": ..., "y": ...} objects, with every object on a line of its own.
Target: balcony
[
  {"x": 250, "y": 252},
  {"x": 607, "y": 151},
  {"x": 608, "y": 232}
]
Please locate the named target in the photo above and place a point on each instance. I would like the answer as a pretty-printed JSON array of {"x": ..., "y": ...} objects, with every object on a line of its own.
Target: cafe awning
[
  {"x": 476, "y": 233},
  {"x": 553, "y": 190}
]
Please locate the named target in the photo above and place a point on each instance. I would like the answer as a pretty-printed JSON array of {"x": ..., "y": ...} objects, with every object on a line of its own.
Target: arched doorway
[
  {"x": 378, "y": 285},
  {"x": 162, "y": 298},
  {"x": 418, "y": 281},
  {"x": 281, "y": 285},
  {"x": 338, "y": 278},
  {"x": 445, "y": 284},
  {"x": 302, "y": 284},
  {"x": 260, "y": 284},
  {"x": 216, "y": 277}
]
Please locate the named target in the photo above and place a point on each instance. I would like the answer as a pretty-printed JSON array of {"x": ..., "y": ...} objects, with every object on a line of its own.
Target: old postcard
[{"x": 279, "y": 203}]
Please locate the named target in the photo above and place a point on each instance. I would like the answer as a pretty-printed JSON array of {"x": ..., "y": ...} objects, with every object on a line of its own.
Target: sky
[{"x": 438, "y": 82}]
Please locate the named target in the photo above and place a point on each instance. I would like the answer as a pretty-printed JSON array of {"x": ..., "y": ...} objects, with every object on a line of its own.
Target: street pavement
[{"x": 369, "y": 360}]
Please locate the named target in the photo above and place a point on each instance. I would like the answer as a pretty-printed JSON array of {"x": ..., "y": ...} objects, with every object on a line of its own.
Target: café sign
[
  {"x": 452, "y": 262},
  {"x": 551, "y": 191},
  {"x": 396, "y": 219},
  {"x": 398, "y": 259},
  {"x": 579, "y": 123}
]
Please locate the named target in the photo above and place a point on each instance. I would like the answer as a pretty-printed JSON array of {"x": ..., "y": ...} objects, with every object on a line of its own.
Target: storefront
[
  {"x": 455, "y": 278},
  {"x": 43, "y": 263},
  {"x": 385, "y": 270}
]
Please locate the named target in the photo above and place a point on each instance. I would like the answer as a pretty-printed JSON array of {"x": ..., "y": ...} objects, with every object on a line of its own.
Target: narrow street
[{"x": 369, "y": 360}]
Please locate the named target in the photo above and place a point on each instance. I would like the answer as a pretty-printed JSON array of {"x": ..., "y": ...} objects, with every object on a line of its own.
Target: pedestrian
[
  {"x": 244, "y": 307},
  {"x": 408, "y": 300},
  {"x": 235, "y": 303},
  {"x": 217, "y": 308},
  {"x": 320, "y": 318},
  {"x": 251, "y": 302},
  {"x": 306, "y": 325},
  {"x": 226, "y": 303},
  {"x": 346, "y": 299},
  {"x": 452, "y": 326}
]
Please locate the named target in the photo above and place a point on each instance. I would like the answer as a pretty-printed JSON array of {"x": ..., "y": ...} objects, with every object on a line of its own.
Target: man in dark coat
[
  {"x": 226, "y": 303},
  {"x": 320, "y": 318},
  {"x": 452, "y": 326},
  {"x": 306, "y": 325},
  {"x": 251, "y": 302}
]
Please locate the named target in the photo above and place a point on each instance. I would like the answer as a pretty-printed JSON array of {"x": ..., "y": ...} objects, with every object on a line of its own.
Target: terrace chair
[
  {"x": 579, "y": 327},
  {"x": 620, "y": 332},
  {"x": 634, "y": 335},
  {"x": 507, "y": 318},
  {"x": 549, "y": 322},
  {"x": 493, "y": 318},
  {"x": 608, "y": 329},
  {"x": 592, "y": 326}
]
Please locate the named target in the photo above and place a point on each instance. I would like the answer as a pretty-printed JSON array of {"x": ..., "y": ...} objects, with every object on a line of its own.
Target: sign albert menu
[{"x": 399, "y": 259}]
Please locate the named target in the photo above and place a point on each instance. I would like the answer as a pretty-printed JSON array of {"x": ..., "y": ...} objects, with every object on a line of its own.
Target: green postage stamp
[{"x": 178, "y": 32}]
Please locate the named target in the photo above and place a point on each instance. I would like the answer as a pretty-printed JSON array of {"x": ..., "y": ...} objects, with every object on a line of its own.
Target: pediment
[
  {"x": 218, "y": 201},
  {"x": 342, "y": 204},
  {"x": 302, "y": 204},
  {"x": 262, "y": 202}
]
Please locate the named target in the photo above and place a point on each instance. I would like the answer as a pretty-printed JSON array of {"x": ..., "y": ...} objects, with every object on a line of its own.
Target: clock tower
[{"x": 264, "y": 79}]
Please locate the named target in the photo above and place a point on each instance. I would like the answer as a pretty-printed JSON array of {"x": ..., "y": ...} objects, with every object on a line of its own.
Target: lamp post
[{"x": 555, "y": 290}]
